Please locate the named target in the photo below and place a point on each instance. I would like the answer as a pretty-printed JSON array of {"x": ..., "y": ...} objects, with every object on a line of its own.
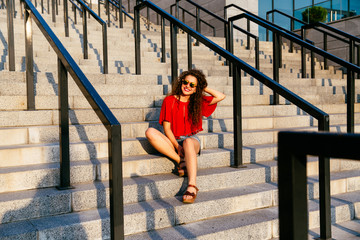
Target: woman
[{"x": 181, "y": 117}]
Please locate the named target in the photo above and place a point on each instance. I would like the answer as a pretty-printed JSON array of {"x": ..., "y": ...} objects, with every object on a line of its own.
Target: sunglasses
[{"x": 186, "y": 82}]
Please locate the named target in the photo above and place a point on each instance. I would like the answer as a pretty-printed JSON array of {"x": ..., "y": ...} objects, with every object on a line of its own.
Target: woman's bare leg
[
  {"x": 162, "y": 144},
  {"x": 191, "y": 148}
]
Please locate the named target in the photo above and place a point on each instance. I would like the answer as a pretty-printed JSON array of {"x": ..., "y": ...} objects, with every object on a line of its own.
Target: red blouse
[{"x": 176, "y": 112}]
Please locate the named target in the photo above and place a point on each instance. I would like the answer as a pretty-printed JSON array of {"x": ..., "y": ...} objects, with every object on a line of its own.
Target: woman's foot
[
  {"x": 181, "y": 169},
  {"x": 190, "y": 194}
]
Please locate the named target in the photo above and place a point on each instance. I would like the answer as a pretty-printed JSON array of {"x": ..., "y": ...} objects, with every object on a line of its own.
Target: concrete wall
[{"x": 250, "y": 5}]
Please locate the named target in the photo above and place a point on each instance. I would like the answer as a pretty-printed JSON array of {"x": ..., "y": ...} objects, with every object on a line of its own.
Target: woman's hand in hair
[{"x": 218, "y": 96}]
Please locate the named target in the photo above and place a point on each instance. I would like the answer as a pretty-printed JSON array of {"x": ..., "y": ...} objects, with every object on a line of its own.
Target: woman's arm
[
  {"x": 169, "y": 134},
  {"x": 218, "y": 96}
]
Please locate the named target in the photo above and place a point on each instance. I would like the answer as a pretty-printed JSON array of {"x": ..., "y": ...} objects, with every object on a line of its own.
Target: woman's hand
[
  {"x": 180, "y": 151},
  {"x": 218, "y": 96}
]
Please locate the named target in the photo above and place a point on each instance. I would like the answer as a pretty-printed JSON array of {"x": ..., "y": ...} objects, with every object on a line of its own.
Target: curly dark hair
[{"x": 196, "y": 98}]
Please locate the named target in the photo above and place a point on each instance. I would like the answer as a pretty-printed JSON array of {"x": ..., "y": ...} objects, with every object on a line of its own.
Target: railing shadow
[
  {"x": 93, "y": 156},
  {"x": 95, "y": 50},
  {"x": 4, "y": 53},
  {"x": 150, "y": 211},
  {"x": 44, "y": 207}
]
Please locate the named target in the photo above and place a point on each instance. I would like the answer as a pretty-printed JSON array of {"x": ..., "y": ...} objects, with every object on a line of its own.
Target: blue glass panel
[
  {"x": 340, "y": 9},
  {"x": 354, "y": 7},
  {"x": 327, "y": 6},
  {"x": 302, "y": 3},
  {"x": 264, "y": 6}
]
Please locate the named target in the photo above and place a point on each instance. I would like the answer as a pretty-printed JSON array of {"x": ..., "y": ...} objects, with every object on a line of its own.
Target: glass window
[
  {"x": 286, "y": 7},
  {"x": 327, "y": 6},
  {"x": 340, "y": 9},
  {"x": 302, "y": 3},
  {"x": 264, "y": 6},
  {"x": 354, "y": 7}
]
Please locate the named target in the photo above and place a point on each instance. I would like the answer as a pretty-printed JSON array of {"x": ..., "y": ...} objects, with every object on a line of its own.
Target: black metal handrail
[
  {"x": 193, "y": 15},
  {"x": 123, "y": 10},
  {"x": 250, "y": 13},
  {"x": 315, "y": 26},
  {"x": 229, "y": 45},
  {"x": 85, "y": 9},
  {"x": 293, "y": 147},
  {"x": 292, "y": 19},
  {"x": 351, "y": 68},
  {"x": 74, "y": 7},
  {"x": 67, "y": 64},
  {"x": 10, "y": 8},
  {"x": 351, "y": 42},
  {"x": 238, "y": 64}
]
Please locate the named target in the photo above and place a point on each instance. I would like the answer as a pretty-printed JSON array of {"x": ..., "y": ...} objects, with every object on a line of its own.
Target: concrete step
[
  {"x": 341, "y": 182},
  {"x": 170, "y": 215}
]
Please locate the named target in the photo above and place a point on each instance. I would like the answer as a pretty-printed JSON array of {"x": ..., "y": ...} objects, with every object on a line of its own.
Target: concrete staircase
[{"x": 232, "y": 203}]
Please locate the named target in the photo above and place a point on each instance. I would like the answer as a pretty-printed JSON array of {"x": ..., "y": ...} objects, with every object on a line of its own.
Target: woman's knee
[
  {"x": 150, "y": 133},
  {"x": 189, "y": 144}
]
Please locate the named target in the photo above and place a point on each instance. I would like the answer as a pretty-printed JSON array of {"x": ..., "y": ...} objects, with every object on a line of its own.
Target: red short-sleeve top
[{"x": 176, "y": 112}]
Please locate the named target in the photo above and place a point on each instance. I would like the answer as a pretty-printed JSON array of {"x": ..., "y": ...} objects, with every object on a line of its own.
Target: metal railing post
[
  {"x": 85, "y": 37},
  {"x": 74, "y": 10},
  {"x": 56, "y": 7},
  {"x": 227, "y": 39},
  {"x": 324, "y": 187},
  {"x": 64, "y": 139},
  {"x": 291, "y": 42},
  {"x": 116, "y": 183},
  {"x": 53, "y": 6},
  {"x": 248, "y": 37},
  {"x": 42, "y": 6},
  {"x": 66, "y": 18},
  {"x": 325, "y": 49},
  {"x": 358, "y": 59},
  {"x": 177, "y": 9},
  {"x": 10, "y": 27},
  {"x": 163, "y": 41},
  {"x": 29, "y": 60},
  {"x": 108, "y": 11},
  {"x": 137, "y": 41},
  {"x": 350, "y": 99},
  {"x": 280, "y": 47},
  {"x": 189, "y": 49},
  {"x": 105, "y": 49},
  {"x": 99, "y": 7},
  {"x": 231, "y": 45},
  {"x": 121, "y": 19},
  {"x": 312, "y": 62},
  {"x": 257, "y": 54},
  {"x": 173, "y": 49},
  {"x": 303, "y": 54},
  {"x": 350, "y": 96},
  {"x": 238, "y": 161},
  {"x": 292, "y": 184},
  {"x": 276, "y": 61},
  {"x": 148, "y": 18},
  {"x": 197, "y": 24}
]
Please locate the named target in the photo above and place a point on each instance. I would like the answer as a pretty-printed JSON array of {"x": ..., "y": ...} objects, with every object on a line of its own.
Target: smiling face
[{"x": 187, "y": 90}]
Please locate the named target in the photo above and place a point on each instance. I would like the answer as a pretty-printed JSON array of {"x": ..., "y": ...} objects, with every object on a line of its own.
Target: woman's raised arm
[{"x": 218, "y": 96}]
